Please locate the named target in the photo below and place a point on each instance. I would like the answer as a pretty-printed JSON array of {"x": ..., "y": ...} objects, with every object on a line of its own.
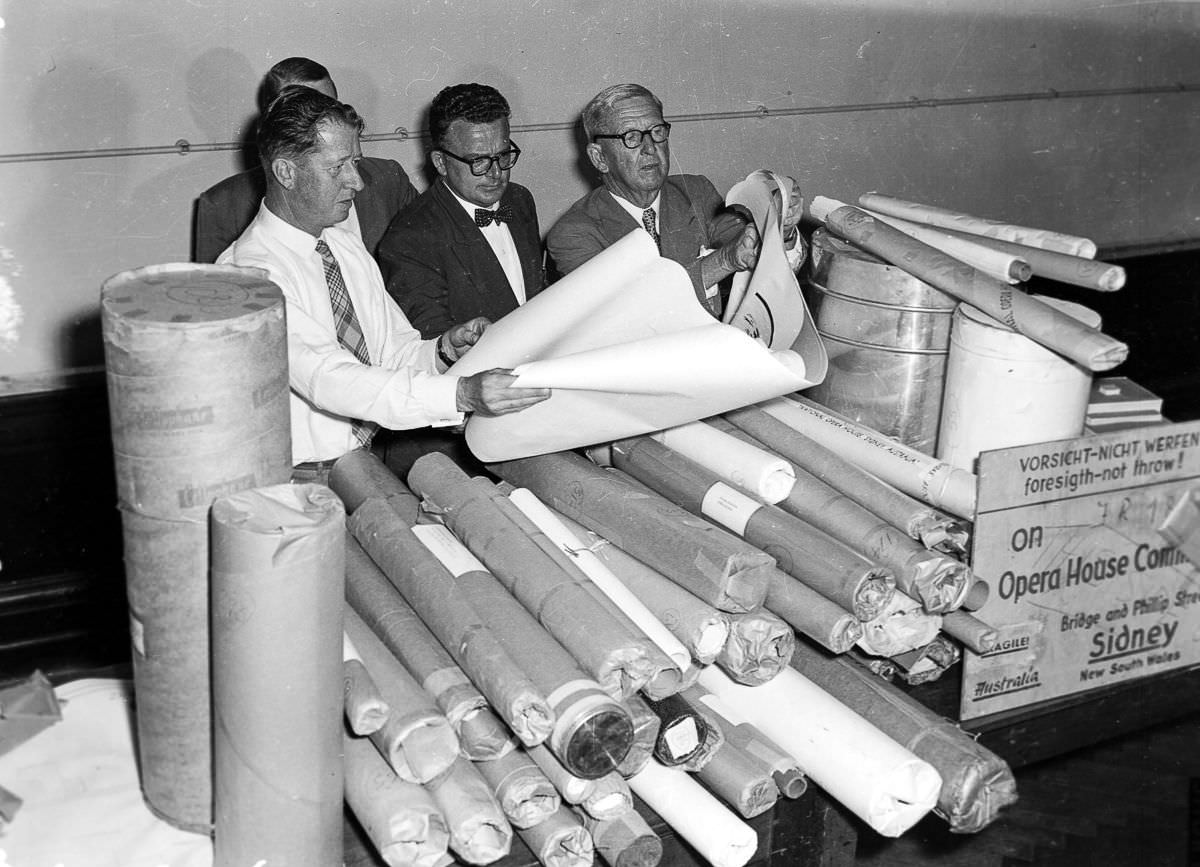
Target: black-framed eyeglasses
[
  {"x": 480, "y": 166},
  {"x": 632, "y": 138}
]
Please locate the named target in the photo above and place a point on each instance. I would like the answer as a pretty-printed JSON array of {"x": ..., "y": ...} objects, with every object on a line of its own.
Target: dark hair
[
  {"x": 291, "y": 70},
  {"x": 476, "y": 103},
  {"x": 600, "y": 107},
  {"x": 290, "y": 126}
]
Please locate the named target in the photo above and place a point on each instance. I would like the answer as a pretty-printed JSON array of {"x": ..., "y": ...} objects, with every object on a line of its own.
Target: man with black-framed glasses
[{"x": 629, "y": 145}]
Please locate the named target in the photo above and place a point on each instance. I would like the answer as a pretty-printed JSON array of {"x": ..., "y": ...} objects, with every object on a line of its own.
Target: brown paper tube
[
  {"x": 645, "y": 735},
  {"x": 804, "y": 552},
  {"x": 682, "y": 730},
  {"x": 560, "y": 841},
  {"x": 611, "y": 797},
  {"x": 574, "y": 790},
  {"x": 277, "y": 585},
  {"x": 714, "y": 739},
  {"x": 759, "y": 645},
  {"x": 400, "y": 818},
  {"x": 626, "y": 841},
  {"x": 976, "y": 782},
  {"x": 417, "y": 739},
  {"x": 720, "y": 569},
  {"x": 366, "y": 711},
  {"x": 1054, "y": 265},
  {"x": 1035, "y": 319},
  {"x": 811, "y": 614},
  {"x": 359, "y": 475},
  {"x": 479, "y": 832},
  {"x": 737, "y": 778},
  {"x": 525, "y": 794},
  {"x": 196, "y": 361},
  {"x": 478, "y": 515},
  {"x": 977, "y": 595},
  {"x": 430, "y": 589},
  {"x": 591, "y": 731},
  {"x": 403, "y": 633},
  {"x": 934, "y": 529},
  {"x": 970, "y": 630}
]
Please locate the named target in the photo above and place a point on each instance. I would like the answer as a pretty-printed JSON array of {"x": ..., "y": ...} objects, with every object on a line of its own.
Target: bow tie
[{"x": 502, "y": 214}]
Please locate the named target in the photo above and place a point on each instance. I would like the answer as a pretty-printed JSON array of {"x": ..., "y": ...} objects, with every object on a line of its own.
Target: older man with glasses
[{"x": 629, "y": 145}]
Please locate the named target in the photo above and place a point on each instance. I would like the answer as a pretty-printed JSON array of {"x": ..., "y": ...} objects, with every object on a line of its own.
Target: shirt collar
[
  {"x": 469, "y": 207},
  {"x": 633, "y": 210}
]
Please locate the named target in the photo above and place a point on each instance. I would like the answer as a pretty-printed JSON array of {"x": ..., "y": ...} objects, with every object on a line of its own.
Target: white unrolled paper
[
  {"x": 767, "y": 476},
  {"x": 880, "y": 781}
]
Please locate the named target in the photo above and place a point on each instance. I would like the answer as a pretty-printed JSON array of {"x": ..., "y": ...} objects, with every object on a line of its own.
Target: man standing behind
[
  {"x": 629, "y": 145},
  {"x": 354, "y": 362},
  {"x": 224, "y": 210},
  {"x": 469, "y": 245}
]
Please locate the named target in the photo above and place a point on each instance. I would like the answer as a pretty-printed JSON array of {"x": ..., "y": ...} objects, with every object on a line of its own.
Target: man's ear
[
  {"x": 439, "y": 162},
  {"x": 596, "y": 155},
  {"x": 284, "y": 171}
]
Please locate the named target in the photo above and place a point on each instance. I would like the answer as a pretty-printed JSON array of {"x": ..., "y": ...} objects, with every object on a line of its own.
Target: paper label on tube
[
  {"x": 445, "y": 546},
  {"x": 682, "y": 738},
  {"x": 729, "y": 507}
]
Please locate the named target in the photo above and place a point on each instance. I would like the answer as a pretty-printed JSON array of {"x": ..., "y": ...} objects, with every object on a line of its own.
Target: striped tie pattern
[
  {"x": 349, "y": 332},
  {"x": 649, "y": 222}
]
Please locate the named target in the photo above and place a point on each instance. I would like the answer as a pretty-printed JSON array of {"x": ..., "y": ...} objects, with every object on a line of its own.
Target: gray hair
[{"x": 600, "y": 106}]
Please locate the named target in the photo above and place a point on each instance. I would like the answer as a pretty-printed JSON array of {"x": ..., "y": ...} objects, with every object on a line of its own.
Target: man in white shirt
[{"x": 355, "y": 363}]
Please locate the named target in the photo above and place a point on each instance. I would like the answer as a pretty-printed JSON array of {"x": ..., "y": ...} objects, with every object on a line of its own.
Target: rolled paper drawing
[
  {"x": 646, "y": 725},
  {"x": 702, "y": 629},
  {"x": 560, "y": 841},
  {"x": 725, "y": 572},
  {"x": 935, "y": 530},
  {"x": 624, "y": 841},
  {"x": 932, "y": 215},
  {"x": 1027, "y": 315},
  {"x": 987, "y": 259},
  {"x": 877, "y": 779},
  {"x": 479, "y": 832},
  {"x": 475, "y": 510},
  {"x": 927, "y": 663},
  {"x": 277, "y": 589},
  {"x": 760, "y": 643},
  {"x": 359, "y": 475},
  {"x": 811, "y": 614},
  {"x": 976, "y": 783},
  {"x": 601, "y": 575},
  {"x": 901, "y": 626},
  {"x": 720, "y": 837},
  {"x": 779, "y": 766},
  {"x": 574, "y": 790},
  {"x": 821, "y": 562},
  {"x": 429, "y": 588},
  {"x": 400, "y": 818},
  {"x": 524, "y": 793},
  {"x": 936, "y": 482},
  {"x": 610, "y": 797},
  {"x": 417, "y": 740},
  {"x": 366, "y": 711},
  {"x": 977, "y": 595},
  {"x": 681, "y": 733},
  {"x": 970, "y": 630},
  {"x": 592, "y": 732},
  {"x": 937, "y": 580},
  {"x": 381, "y": 606},
  {"x": 1063, "y": 267},
  {"x": 766, "y": 476}
]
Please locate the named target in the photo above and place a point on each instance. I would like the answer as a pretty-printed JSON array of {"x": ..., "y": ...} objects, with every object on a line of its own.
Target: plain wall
[{"x": 79, "y": 75}]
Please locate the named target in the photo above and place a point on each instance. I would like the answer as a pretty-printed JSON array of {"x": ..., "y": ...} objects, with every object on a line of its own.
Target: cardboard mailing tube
[
  {"x": 480, "y": 734},
  {"x": 400, "y": 818},
  {"x": 811, "y": 614},
  {"x": 603, "y": 645},
  {"x": 479, "y": 832},
  {"x": 1033, "y": 318},
  {"x": 976, "y": 782},
  {"x": 990, "y": 260},
  {"x": 624, "y": 841},
  {"x": 430, "y": 589},
  {"x": 277, "y": 579},
  {"x": 417, "y": 739},
  {"x": 760, "y": 643},
  {"x": 645, "y": 735},
  {"x": 560, "y": 841},
  {"x": 525, "y": 794},
  {"x": 935, "y": 530},
  {"x": 723, "y": 571},
  {"x": 359, "y": 475},
  {"x": 610, "y": 797},
  {"x": 366, "y": 711},
  {"x": 764, "y": 475},
  {"x": 813, "y": 557},
  {"x": 970, "y": 630},
  {"x": 574, "y": 790},
  {"x": 977, "y": 595},
  {"x": 737, "y": 778},
  {"x": 592, "y": 732},
  {"x": 900, "y": 627},
  {"x": 713, "y": 740},
  {"x": 681, "y": 731},
  {"x": 938, "y": 581}
]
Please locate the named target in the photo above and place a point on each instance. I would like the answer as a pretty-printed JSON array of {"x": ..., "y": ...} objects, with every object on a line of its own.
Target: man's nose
[
  {"x": 649, "y": 145},
  {"x": 494, "y": 170},
  {"x": 354, "y": 180}
]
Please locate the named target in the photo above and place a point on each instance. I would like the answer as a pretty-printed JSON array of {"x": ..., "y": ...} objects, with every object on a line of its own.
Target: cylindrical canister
[
  {"x": 887, "y": 334},
  {"x": 1003, "y": 389},
  {"x": 198, "y": 396}
]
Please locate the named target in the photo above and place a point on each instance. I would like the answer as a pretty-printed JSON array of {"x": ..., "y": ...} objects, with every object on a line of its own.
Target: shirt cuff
[{"x": 442, "y": 400}]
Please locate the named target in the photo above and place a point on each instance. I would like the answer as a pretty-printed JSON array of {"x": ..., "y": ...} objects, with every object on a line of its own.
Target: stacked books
[{"x": 1117, "y": 402}]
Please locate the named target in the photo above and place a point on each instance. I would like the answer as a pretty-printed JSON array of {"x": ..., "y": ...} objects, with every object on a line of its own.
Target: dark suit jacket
[
  {"x": 692, "y": 215},
  {"x": 225, "y": 210},
  {"x": 440, "y": 268}
]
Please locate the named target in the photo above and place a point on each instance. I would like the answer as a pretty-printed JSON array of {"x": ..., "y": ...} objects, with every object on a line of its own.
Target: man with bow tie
[{"x": 470, "y": 245}]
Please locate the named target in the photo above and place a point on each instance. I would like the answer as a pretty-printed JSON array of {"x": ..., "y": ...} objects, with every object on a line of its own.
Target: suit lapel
[
  {"x": 471, "y": 249},
  {"x": 680, "y": 239}
]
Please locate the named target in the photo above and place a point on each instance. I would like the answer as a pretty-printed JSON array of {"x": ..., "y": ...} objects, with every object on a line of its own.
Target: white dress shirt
[
  {"x": 400, "y": 389},
  {"x": 500, "y": 239}
]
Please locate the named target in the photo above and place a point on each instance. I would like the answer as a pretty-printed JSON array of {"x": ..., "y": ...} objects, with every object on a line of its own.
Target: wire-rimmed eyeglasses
[
  {"x": 632, "y": 138},
  {"x": 480, "y": 166}
]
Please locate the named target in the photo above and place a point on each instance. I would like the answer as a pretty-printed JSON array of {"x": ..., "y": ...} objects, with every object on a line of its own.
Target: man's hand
[
  {"x": 455, "y": 341},
  {"x": 742, "y": 254},
  {"x": 490, "y": 392}
]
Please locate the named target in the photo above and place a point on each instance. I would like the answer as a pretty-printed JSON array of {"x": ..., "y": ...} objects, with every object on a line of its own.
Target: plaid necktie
[
  {"x": 349, "y": 332},
  {"x": 649, "y": 222},
  {"x": 502, "y": 214}
]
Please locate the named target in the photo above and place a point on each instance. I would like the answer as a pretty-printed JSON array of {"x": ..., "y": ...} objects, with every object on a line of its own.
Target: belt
[{"x": 316, "y": 466}]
